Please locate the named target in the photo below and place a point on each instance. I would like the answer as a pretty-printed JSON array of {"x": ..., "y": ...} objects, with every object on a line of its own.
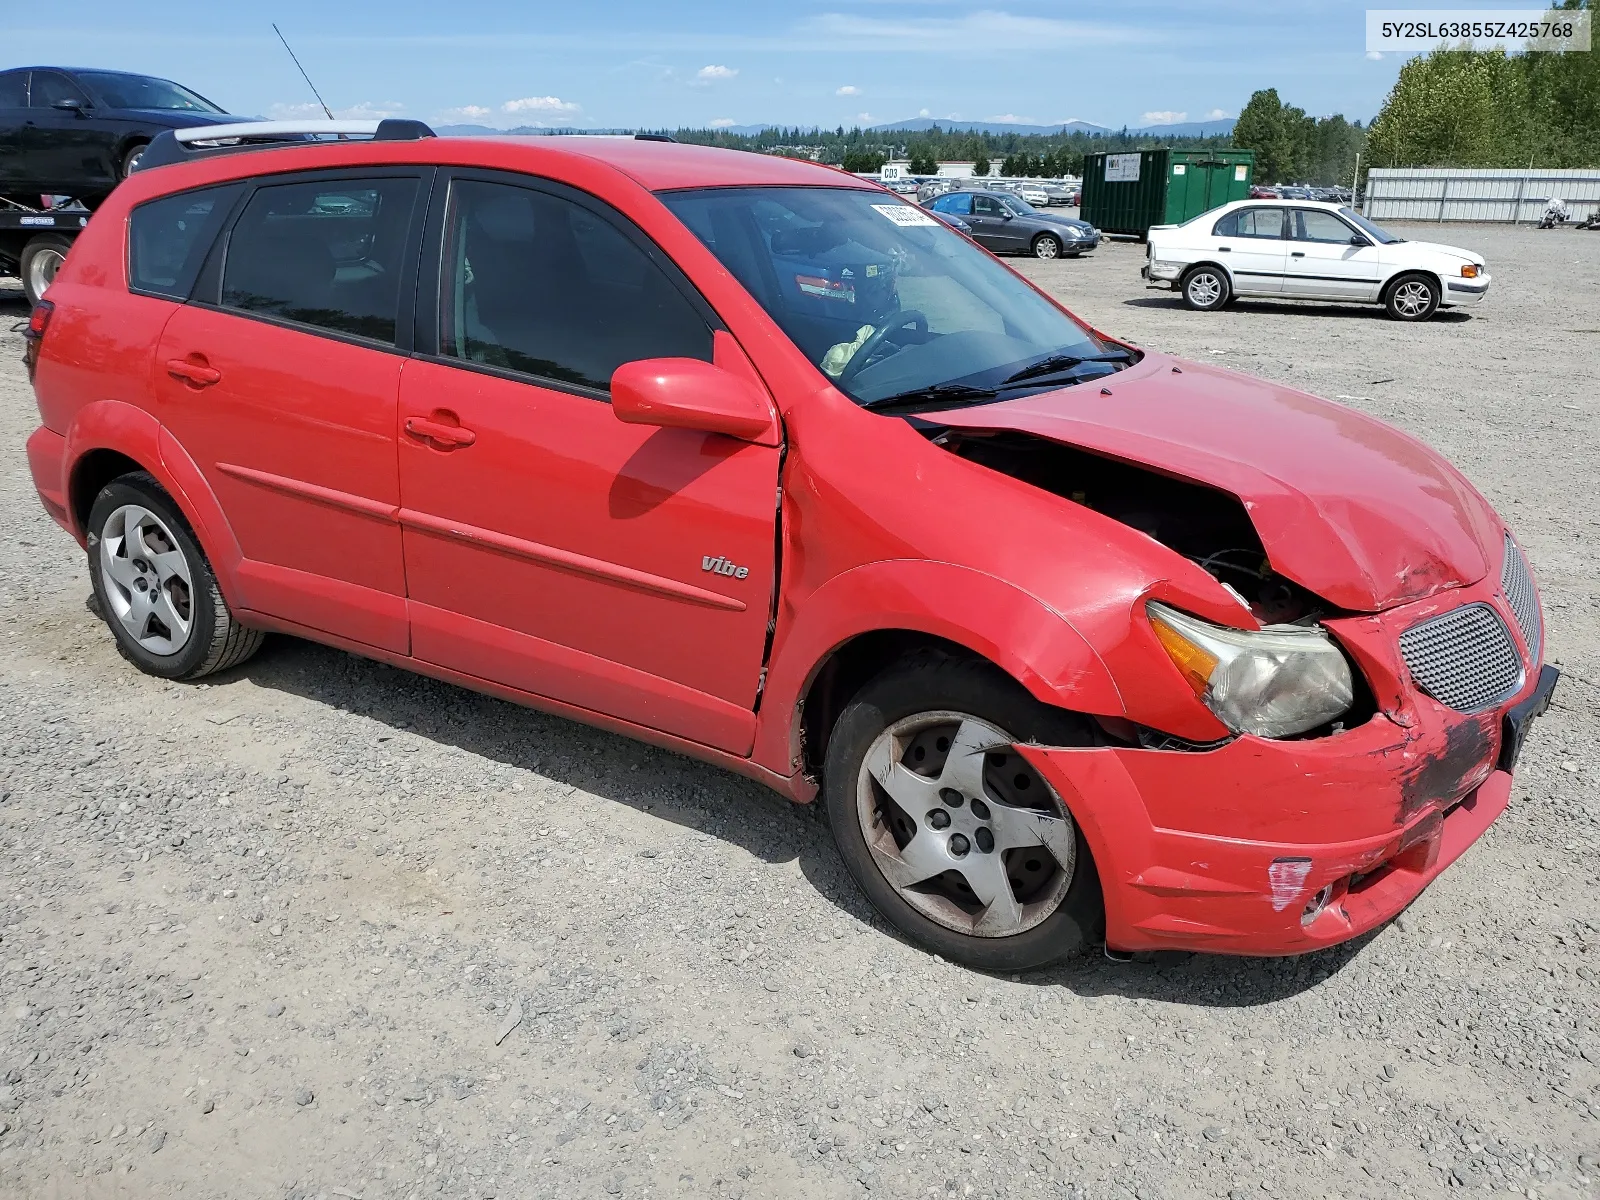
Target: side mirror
[
  {"x": 1359, "y": 239},
  {"x": 76, "y": 106},
  {"x": 685, "y": 393}
]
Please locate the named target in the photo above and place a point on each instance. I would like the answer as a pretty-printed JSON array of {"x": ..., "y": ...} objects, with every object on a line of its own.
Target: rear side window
[
  {"x": 542, "y": 285},
  {"x": 1251, "y": 223},
  {"x": 959, "y": 205},
  {"x": 14, "y": 89},
  {"x": 326, "y": 254},
  {"x": 168, "y": 239}
]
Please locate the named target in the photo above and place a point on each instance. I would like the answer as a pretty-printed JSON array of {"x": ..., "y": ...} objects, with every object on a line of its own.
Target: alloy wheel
[
  {"x": 147, "y": 579},
  {"x": 1411, "y": 299},
  {"x": 1047, "y": 247},
  {"x": 42, "y": 269},
  {"x": 1205, "y": 289},
  {"x": 962, "y": 826}
]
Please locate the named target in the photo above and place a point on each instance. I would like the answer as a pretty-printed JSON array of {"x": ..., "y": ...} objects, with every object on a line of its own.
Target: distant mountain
[
  {"x": 1191, "y": 128},
  {"x": 923, "y": 124}
]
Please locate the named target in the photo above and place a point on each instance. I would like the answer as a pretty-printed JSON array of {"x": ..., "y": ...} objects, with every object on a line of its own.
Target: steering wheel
[{"x": 863, "y": 355}]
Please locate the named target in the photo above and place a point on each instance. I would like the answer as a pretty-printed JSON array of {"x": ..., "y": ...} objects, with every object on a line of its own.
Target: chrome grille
[
  {"x": 1516, "y": 581},
  {"x": 1465, "y": 659}
]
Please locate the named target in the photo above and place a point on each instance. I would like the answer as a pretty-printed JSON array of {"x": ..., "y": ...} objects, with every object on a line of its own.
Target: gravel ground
[{"x": 324, "y": 929}]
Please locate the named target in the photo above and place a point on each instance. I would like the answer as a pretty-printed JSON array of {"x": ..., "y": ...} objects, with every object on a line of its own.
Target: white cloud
[
  {"x": 984, "y": 31},
  {"x": 716, "y": 72},
  {"x": 723, "y": 123},
  {"x": 1218, "y": 114},
  {"x": 467, "y": 112},
  {"x": 864, "y": 118},
  {"x": 539, "y": 104},
  {"x": 1374, "y": 55},
  {"x": 848, "y": 89},
  {"x": 367, "y": 110},
  {"x": 1011, "y": 119},
  {"x": 1164, "y": 118},
  {"x": 922, "y": 112}
]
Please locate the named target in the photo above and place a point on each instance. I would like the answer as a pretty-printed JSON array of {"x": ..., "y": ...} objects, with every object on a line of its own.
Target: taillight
[{"x": 33, "y": 335}]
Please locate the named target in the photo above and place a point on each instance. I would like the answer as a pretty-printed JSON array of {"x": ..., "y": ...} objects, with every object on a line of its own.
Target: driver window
[
  {"x": 1314, "y": 225},
  {"x": 50, "y": 89},
  {"x": 986, "y": 206},
  {"x": 539, "y": 284}
]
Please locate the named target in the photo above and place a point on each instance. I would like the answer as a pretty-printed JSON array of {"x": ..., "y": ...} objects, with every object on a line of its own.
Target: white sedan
[{"x": 1302, "y": 250}]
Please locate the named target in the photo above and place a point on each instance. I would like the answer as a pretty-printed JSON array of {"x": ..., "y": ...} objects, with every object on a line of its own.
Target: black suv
[{"x": 79, "y": 132}]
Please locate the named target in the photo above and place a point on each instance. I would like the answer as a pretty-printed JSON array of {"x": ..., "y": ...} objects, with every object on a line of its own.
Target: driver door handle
[
  {"x": 439, "y": 433},
  {"x": 1297, "y": 254}
]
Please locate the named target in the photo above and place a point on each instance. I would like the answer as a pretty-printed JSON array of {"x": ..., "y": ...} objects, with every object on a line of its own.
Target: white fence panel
[{"x": 1450, "y": 194}]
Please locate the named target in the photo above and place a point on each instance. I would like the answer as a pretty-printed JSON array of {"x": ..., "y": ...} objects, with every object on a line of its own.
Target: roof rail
[
  {"x": 197, "y": 141},
  {"x": 654, "y": 137}
]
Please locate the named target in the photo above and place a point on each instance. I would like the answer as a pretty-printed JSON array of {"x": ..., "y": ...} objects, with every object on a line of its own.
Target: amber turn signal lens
[
  {"x": 1470, "y": 271},
  {"x": 1193, "y": 663}
]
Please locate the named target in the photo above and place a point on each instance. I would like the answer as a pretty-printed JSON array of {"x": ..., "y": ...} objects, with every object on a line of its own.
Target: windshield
[
  {"x": 1378, "y": 234},
  {"x": 881, "y": 296},
  {"x": 142, "y": 91}
]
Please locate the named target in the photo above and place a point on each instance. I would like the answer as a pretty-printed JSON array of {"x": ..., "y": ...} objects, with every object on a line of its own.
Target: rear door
[
  {"x": 549, "y": 547},
  {"x": 1324, "y": 263},
  {"x": 1249, "y": 242},
  {"x": 281, "y": 380},
  {"x": 13, "y": 120}
]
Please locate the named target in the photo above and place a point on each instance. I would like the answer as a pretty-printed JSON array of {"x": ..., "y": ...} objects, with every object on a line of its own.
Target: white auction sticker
[
  {"x": 1409, "y": 30},
  {"x": 904, "y": 214}
]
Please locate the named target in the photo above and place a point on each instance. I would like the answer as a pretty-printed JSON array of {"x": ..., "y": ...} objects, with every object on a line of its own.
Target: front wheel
[
  {"x": 1205, "y": 289},
  {"x": 952, "y": 834},
  {"x": 1047, "y": 246},
  {"x": 1412, "y": 298},
  {"x": 155, "y": 588}
]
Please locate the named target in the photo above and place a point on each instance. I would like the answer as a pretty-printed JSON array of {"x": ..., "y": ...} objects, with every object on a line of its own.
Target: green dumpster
[{"x": 1128, "y": 193}]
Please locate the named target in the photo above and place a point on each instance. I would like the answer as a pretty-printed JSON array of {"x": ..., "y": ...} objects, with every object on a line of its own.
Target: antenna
[{"x": 302, "y": 71}]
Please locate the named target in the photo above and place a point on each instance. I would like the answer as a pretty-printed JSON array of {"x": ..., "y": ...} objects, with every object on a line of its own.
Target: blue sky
[{"x": 699, "y": 62}]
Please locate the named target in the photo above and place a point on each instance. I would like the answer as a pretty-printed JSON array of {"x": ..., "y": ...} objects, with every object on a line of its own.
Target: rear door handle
[
  {"x": 194, "y": 370},
  {"x": 439, "y": 433}
]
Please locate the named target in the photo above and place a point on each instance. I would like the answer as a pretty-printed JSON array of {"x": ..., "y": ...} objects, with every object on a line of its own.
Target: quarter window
[
  {"x": 539, "y": 284},
  {"x": 327, "y": 254},
  {"x": 1314, "y": 225},
  {"x": 1251, "y": 223},
  {"x": 168, "y": 239}
]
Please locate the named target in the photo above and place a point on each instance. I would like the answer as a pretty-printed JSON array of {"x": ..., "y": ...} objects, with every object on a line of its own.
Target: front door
[
  {"x": 1249, "y": 242},
  {"x": 1323, "y": 261},
  {"x": 993, "y": 225},
  {"x": 282, "y": 385},
  {"x": 549, "y": 547},
  {"x": 69, "y": 148}
]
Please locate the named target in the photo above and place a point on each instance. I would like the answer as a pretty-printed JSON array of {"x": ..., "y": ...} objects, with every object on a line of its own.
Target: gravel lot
[{"x": 325, "y": 929}]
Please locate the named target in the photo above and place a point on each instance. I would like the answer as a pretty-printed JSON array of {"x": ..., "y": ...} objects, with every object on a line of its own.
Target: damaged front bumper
[{"x": 1280, "y": 847}]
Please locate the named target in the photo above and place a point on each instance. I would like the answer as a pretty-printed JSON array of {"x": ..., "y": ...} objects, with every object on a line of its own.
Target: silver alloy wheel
[
  {"x": 1412, "y": 298},
  {"x": 147, "y": 580},
  {"x": 1046, "y": 247},
  {"x": 962, "y": 827},
  {"x": 1204, "y": 289},
  {"x": 131, "y": 163},
  {"x": 42, "y": 268}
]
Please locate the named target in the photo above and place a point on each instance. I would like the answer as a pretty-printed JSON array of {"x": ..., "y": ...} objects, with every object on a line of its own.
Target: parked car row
[{"x": 1298, "y": 191}]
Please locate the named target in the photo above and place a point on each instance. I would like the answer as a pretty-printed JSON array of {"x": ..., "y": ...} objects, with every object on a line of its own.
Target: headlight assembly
[{"x": 1274, "y": 682}]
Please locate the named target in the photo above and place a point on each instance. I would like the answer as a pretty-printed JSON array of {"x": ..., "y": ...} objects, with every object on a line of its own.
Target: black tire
[
  {"x": 936, "y": 683},
  {"x": 1205, "y": 288},
  {"x": 1413, "y": 297},
  {"x": 216, "y": 641},
  {"x": 41, "y": 259},
  {"x": 1047, "y": 245},
  {"x": 130, "y": 159}
]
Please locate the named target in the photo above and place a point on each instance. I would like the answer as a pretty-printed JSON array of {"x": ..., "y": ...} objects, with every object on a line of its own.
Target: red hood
[{"x": 1359, "y": 513}]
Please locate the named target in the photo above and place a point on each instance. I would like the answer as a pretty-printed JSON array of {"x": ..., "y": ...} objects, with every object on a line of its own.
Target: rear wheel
[
  {"x": 952, "y": 834},
  {"x": 1206, "y": 288},
  {"x": 155, "y": 588},
  {"x": 41, "y": 259},
  {"x": 130, "y": 160}
]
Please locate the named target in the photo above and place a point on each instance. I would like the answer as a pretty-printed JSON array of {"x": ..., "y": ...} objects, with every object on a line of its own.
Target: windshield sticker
[
  {"x": 905, "y": 215},
  {"x": 826, "y": 289}
]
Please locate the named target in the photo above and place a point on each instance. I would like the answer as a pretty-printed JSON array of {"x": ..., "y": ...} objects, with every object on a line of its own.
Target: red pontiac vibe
[{"x": 750, "y": 459}]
